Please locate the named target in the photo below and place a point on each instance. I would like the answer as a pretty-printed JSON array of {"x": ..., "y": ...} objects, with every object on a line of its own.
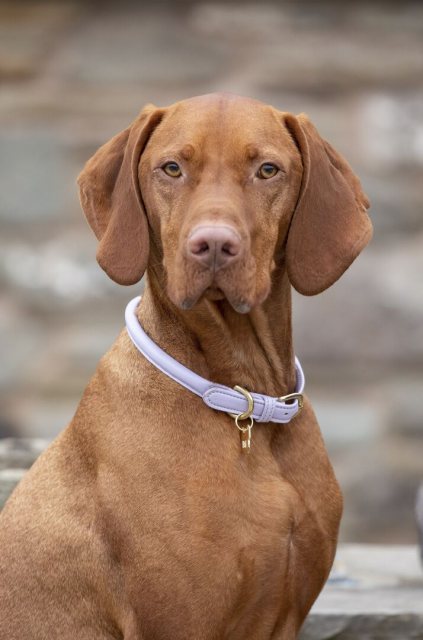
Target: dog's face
[
  {"x": 228, "y": 189},
  {"x": 220, "y": 180}
]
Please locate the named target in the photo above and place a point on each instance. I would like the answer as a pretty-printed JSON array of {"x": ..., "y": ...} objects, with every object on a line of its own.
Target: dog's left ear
[
  {"x": 112, "y": 201},
  {"x": 330, "y": 225}
]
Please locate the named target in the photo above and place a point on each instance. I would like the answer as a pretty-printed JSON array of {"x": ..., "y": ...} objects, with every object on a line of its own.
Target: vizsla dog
[{"x": 156, "y": 515}]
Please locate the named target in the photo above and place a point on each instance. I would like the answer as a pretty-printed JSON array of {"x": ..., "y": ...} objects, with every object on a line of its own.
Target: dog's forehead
[{"x": 221, "y": 120}]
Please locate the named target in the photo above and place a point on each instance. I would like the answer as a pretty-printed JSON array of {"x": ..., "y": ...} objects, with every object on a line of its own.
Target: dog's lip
[{"x": 214, "y": 293}]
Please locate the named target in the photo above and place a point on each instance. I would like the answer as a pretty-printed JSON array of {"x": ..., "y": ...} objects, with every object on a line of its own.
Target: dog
[{"x": 155, "y": 515}]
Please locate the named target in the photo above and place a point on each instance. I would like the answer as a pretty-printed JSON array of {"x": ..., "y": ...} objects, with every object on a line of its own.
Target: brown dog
[{"x": 143, "y": 520}]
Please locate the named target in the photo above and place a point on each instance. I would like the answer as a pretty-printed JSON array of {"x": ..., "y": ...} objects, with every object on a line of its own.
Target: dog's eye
[
  {"x": 267, "y": 170},
  {"x": 172, "y": 169}
]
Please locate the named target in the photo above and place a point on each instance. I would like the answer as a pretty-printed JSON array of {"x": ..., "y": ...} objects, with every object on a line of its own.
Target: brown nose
[{"x": 215, "y": 246}]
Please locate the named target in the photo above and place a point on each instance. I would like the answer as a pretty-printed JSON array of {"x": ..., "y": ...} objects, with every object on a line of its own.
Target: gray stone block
[
  {"x": 370, "y": 626},
  {"x": 375, "y": 592}
]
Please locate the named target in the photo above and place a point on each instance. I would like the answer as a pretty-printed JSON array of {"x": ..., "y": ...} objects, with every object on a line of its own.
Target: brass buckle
[
  {"x": 294, "y": 396},
  {"x": 250, "y": 408}
]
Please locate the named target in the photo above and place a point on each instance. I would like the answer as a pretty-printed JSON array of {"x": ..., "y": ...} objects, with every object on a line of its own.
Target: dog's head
[{"x": 224, "y": 189}]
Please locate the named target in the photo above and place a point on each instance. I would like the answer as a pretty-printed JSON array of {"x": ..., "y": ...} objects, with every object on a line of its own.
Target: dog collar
[{"x": 238, "y": 402}]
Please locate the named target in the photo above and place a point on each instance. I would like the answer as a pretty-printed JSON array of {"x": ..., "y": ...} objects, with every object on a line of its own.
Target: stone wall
[{"x": 75, "y": 73}]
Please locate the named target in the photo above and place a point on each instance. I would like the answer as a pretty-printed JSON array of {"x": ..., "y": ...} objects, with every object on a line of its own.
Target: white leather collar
[{"x": 217, "y": 396}]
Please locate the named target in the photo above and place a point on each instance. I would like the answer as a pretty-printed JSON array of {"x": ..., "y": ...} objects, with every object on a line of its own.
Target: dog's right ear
[{"x": 112, "y": 201}]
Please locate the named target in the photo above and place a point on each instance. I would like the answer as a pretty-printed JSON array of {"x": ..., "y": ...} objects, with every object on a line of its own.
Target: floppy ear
[
  {"x": 330, "y": 225},
  {"x": 111, "y": 199}
]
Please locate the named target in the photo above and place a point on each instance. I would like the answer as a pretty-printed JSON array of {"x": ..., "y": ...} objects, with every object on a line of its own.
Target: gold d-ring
[
  {"x": 294, "y": 396},
  {"x": 250, "y": 400}
]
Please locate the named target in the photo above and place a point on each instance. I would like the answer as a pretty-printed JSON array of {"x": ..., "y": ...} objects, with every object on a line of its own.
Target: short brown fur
[{"x": 143, "y": 520}]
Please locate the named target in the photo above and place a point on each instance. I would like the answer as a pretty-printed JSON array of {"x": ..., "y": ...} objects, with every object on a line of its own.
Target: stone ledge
[
  {"x": 327, "y": 626},
  {"x": 374, "y": 592}
]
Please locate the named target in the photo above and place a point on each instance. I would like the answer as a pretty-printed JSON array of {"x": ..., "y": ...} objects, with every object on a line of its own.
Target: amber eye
[
  {"x": 267, "y": 170},
  {"x": 172, "y": 169}
]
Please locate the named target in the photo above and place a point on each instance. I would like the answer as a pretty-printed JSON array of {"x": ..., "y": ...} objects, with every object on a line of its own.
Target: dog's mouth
[
  {"x": 239, "y": 289},
  {"x": 214, "y": 293}
]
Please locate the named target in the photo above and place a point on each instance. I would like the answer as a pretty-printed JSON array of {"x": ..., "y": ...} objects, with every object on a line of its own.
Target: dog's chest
[
  {"x": 220, "y": 558},
  {"x": 213, "y": 541}
]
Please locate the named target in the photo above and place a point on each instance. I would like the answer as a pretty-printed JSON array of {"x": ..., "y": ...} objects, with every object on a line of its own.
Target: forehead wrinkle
[
  {"x": 251, "y": 151},
  {"x": 187, "y": 151}
]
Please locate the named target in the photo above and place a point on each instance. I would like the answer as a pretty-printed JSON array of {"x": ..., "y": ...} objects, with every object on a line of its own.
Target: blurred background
[{"x": 74, "y": 73}]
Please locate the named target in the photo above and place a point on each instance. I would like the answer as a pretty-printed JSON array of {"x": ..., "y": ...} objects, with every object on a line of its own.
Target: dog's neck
[{"x": 252, "y": 350}]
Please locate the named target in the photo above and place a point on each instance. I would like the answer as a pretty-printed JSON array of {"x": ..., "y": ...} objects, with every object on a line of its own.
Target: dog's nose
[{"x": 215, "y": 246}]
